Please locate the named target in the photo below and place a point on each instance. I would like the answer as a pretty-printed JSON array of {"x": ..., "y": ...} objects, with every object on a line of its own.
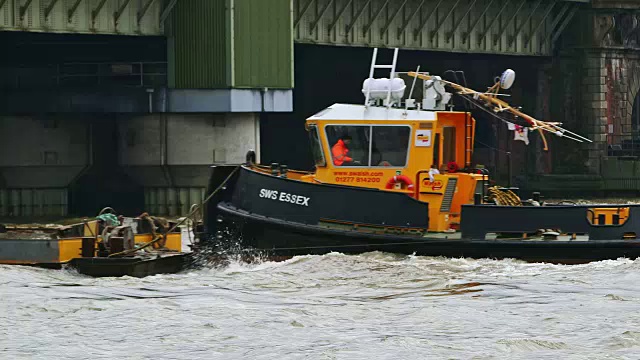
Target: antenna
[{"x": 413, "y": 84}]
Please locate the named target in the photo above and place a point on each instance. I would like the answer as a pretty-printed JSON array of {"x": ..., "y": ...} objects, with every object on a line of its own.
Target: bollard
[
  {"x": 536, "y": 196},
  {"x": 274, "y": 169}
]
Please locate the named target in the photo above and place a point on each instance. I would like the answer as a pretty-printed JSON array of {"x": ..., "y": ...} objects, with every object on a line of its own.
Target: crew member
[{"x": 340, "y": 151}]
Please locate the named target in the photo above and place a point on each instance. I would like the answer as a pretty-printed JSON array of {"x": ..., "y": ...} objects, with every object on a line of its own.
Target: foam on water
[{"x": 374, "y": 305}]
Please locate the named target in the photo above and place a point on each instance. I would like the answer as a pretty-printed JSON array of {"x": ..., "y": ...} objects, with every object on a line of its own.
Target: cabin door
[{"x": 448, "y": 144}]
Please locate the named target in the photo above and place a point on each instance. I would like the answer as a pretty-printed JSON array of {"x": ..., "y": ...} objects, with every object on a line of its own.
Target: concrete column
[
  {"x": 40, "y": 156},
  {"x": 171, "y": 154}
]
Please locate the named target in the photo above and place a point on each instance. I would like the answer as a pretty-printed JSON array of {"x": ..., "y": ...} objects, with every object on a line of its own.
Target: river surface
[{"x": 372, "y": 306}]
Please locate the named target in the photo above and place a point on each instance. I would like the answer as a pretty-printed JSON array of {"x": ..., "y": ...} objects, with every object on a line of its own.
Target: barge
[{"x": 107, "y": 245}]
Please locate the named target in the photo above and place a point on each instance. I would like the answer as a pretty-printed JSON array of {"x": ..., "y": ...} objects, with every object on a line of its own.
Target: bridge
[
  {"x": 150, "y": 92},
  {"x": 495, "y": 26}
]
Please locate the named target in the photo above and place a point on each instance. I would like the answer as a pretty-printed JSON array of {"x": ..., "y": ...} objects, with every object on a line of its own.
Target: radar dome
[{"x": 507, "y": 78}]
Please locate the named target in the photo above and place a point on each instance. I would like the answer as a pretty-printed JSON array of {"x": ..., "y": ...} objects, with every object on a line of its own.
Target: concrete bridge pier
[
  {"x": 40, "y": 156},
  {"x": 170, "y": 155}
]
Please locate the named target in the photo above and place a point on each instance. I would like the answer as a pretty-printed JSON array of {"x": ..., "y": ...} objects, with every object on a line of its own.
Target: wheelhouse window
[
  {"x": 349, "y": 144},
  {"x": 316, "y": 146},
  {"x": 390, "y": 146},
  {"x": 369, "y": 145}
]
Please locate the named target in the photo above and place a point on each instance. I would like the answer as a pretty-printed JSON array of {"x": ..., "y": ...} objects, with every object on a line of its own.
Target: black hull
[
  {"x": 136, "y": 267},
  {"x": 280, "y": 239},
  {"x": 278, "y": 228}
]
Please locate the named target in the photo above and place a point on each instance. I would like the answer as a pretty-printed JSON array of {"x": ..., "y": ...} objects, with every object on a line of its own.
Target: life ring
[
  {"x": 452, "y": 167},
  {"x": 400, "y": 178}
]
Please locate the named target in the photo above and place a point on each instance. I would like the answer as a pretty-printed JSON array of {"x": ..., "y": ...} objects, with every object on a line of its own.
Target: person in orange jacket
[{"x": 340, "y": 151}]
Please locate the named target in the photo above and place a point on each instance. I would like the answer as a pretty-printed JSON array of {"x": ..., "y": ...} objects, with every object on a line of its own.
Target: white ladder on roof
[{"x": 374, "y": 66}]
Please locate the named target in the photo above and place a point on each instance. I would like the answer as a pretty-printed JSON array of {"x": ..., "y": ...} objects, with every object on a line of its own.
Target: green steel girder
[
  {"x": 550, "y": 7},
  {"x": 466, "y": 35},
  {"x": 384, "y": 29},
  {"x": 72, "y": 10},
  {"x": 564, "y": 24},
  {"x": 302, "y": 13},
  {"x": 130, "y": 17},
  {"x": 315, "y": 22},
  {"x": 497, "y": 36},
  {"x": 357, "y": 17},
  {"x": 512, "y": 38},
  {"x": 406, "y": 23},
  {"x": 457, "y": 24},
  {"x": 495, "y": 18},
  {"x": 143, "y": 11},
  {"x": 561, "y": 15},
  {"x": 24, "y": 8},
  {"x": 118, "y": 13},
  {"x": 439, "y": 25},
  {"x": 336, "y": 18},
  {"x": 167, "y": 10},
  {"x": 556, "y": 20},
  {"x": 426, "y": 20},
  {"x": 374, "y": 18},
  {"x": 47, "y": 10},
  {"x": 95, "y": 12}
]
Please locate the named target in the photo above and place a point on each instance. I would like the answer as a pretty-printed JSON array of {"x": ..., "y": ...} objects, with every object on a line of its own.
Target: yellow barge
[{"x": 104, "y": 246}]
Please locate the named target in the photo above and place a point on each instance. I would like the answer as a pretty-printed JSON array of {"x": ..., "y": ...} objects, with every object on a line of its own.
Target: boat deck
[{"x": 495, "y": 237}]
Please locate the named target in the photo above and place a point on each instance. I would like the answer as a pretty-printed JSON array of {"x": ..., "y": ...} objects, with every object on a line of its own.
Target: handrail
[{"x": 132, "y": 73}]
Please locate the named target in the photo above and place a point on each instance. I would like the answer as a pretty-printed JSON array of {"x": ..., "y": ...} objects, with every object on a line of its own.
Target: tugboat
[{"x": 395, "y": 175}]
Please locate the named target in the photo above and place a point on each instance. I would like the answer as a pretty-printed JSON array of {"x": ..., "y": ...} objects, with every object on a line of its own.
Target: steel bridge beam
[
  {"x": 564, "y": 24},
  {"x": 457, "y": 24},
  {"x": 143, "y": 11},
  {"x": 118, "y": 13},
  {"x": 424, "y": 23},
  {"x": 390, "y": 20},
  {"x": 439, "y": 25},
  {"x": 374, "y": 18},
  {"x": 357, "y": 17},
  {"x": 406, "y": 23},
  {"x": 47, "y": 10},
  {"x": 24, "y": 8},
  {"x": 314, "y": 24},
  {"x": 488, "y": 27},
  {"x": 497, "y": 36},
  {"x": 302, "y": 13},
  {"x": 523, "y": 23},
  {"x": 465, "y": 36},
  {"x": 337, "y": 16},
  {"x": 95, "y": 12},
  {"x": 534, "y": 32},
  {"x": 167, "y": 10}
]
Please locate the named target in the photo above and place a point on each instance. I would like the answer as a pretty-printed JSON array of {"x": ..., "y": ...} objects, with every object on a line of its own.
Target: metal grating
[{"x": 448, "y": 194}]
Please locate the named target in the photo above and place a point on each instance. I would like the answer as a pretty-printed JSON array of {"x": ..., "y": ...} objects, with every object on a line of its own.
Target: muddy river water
[{"x": 371, "y": 306}]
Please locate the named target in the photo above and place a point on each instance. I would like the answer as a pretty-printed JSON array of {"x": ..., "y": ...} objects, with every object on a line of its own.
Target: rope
[
  {"x": 181, "y": 221},
  {"x": 491, "y": 147},
  {"x": 508, "y": 198}
]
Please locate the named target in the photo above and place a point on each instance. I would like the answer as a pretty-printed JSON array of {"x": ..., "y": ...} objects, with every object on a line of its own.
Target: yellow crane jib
[{"x": 497, "y": 105}]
